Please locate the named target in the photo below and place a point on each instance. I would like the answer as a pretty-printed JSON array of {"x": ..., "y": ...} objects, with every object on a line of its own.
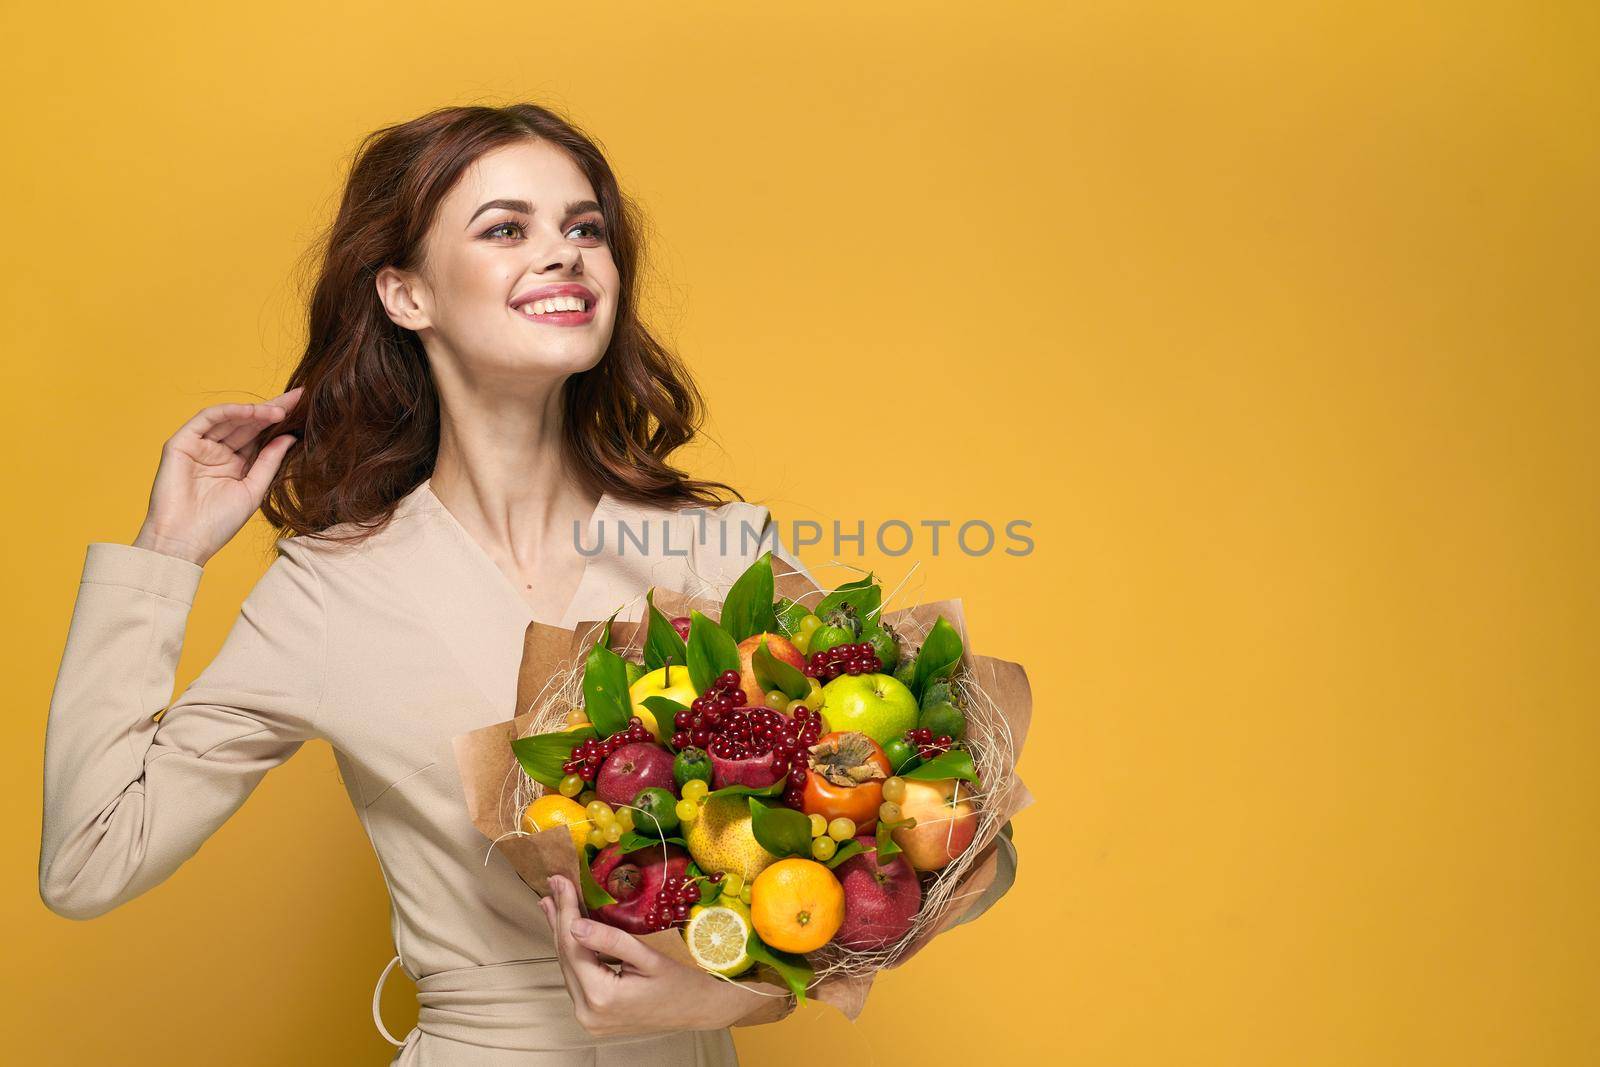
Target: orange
[
  {"x": 552, "y": 810},
  {"x": 796, "y": 905}
]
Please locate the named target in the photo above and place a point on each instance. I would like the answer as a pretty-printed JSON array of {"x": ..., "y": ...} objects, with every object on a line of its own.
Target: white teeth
[{"x": 553, "y": 303}]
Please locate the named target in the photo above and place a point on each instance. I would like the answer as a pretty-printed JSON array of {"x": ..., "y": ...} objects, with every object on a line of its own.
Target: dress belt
[{"x": 518, "y": 1004}]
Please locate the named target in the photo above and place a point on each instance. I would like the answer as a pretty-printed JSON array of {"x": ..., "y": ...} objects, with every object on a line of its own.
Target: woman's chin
[{"x": 539, "y": 366}]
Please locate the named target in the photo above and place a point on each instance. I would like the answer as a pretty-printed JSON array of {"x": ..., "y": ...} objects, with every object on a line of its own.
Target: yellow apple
[
  {"x": 946, "y": 822},
  {"x": 672, "y": 682}
]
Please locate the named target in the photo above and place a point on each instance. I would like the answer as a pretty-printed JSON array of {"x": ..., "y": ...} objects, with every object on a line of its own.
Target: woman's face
[{"x": 520, "y": 227}]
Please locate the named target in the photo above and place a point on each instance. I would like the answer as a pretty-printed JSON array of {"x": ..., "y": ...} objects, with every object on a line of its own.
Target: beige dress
[{"x": 386, "y": 650}]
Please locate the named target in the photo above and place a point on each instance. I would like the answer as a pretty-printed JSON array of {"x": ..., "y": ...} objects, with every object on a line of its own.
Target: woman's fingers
[
  {"x": 578, "y": 964},
  {"x": 266, "y": 464},
  {"x": 234, "y": 424},
  {"x": 574, "y": 990},
  {"x": 206, "y": 420},
  {"x": 248, "y": 429},
  {"x": 287, "y": 400},
  {"x": 619, "y": 944},
  {"x": 585, "y": 964},
  {"x": 580, "y": 1003}
]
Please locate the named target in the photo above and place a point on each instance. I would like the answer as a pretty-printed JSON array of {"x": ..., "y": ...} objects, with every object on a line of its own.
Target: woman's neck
[{"x": 501, "y": 470}]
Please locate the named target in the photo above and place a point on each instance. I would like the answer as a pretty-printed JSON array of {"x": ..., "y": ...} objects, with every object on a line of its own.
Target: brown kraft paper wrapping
[{"x": 490, "y": 773}]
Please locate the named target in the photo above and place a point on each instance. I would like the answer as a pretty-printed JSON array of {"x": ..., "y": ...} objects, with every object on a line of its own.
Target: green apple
[{"x": 873, "y": 704}]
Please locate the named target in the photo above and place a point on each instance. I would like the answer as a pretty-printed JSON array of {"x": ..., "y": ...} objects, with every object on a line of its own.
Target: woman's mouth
[{"x": 558, "y": 310}]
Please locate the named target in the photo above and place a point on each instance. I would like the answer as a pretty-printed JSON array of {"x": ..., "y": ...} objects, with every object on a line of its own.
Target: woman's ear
[{"x": 402, "y": 294}]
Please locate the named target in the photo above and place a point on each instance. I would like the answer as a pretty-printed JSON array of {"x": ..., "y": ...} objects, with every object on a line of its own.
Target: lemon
[
  {"x": 723, "y": 900},
  {"x": 716, "y": 939},
  {"x": 552, "y": 810},
  {"x": 721, "y": 839}
]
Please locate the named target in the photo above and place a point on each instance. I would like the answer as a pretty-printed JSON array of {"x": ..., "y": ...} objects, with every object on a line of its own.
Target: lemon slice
[{"x": 716, "y": 939}]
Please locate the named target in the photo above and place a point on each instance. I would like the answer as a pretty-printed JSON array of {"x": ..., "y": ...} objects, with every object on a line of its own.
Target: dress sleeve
[{"x": 127, "y": 798}]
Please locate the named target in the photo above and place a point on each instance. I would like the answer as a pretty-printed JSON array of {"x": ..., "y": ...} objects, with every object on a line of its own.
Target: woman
[{"x": 477, "y": 389}]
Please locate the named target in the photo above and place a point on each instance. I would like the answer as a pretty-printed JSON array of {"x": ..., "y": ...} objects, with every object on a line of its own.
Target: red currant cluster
[
  {"x": 677, "y": 895},
  {"x": 695, "y": 726},
  {"x": 857, "y": 658},
  {"x": 926, "y": 744},
  {"x": 589, "y": 755}
]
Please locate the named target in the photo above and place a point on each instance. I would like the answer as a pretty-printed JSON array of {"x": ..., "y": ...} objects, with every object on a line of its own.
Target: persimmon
[{"x": 845, "y": 778}]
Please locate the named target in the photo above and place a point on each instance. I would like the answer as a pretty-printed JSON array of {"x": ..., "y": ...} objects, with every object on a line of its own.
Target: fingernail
[{"x": 582, "y": 927}]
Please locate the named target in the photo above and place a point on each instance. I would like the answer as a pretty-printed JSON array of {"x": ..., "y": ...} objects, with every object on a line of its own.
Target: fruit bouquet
[{"x": 794, "y": 784}]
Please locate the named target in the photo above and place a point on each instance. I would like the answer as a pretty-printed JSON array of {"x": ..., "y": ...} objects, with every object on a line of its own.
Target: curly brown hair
[{"x": 367, "y": 425}]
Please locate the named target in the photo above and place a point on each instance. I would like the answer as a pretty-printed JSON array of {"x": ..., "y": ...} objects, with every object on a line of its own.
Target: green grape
[
  {"x": 613, "y": 833},
  {"x": 889, "y": 812},
  {"x": 597, "y": 838},
  {"x": 688, "y": 810},
  {"x": 625, "y": 819},
  {"x": 587, "y": 797},
  {"x": 809, "y": 623},
  {"x": 695, "y": 789},
  {"x": 778, "y": 700},
  {"x": 599, "y": 813},
  {"x": 744, "y": 895},
  {"x": 819, "y": 826},
  {"x": 823, "y": 848},
  {"x": 842, "y": 829},
  {"x": 894, "y": 789},
  {"x": 571, "y": 785},
  {"x": 732, "y": 884}
]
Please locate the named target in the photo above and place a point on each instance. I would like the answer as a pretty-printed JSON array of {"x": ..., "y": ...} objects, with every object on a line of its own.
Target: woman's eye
[{"x": 594, "y": 230}]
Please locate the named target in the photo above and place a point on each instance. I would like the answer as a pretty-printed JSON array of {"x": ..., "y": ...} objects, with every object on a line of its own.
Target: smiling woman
[
  {"x": 477, "y": 391},
  {"x": 452, "y": 229}
]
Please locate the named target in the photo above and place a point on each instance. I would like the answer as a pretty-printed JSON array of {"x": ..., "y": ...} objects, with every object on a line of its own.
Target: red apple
[
  {"x": 946, "y": 822},
  {"x": 631, "y": 768},
  {"x": 780, "y": 647},
  {"x": 880, "y": 899}
]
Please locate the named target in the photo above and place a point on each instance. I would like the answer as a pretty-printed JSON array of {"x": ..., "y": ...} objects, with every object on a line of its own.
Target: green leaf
[
  {"x": 864, "y": 594},
  {"x": 794, "y": 970},
  {"x": 711, "y": 651},
  {"x": 605, "y": 690},
  {"x": 846, "y": 850},
  {"x": 956, "y": 763},
  {"x": 887, "y": 849},
  {"x": 747, "y": 609},
  {"x": 662, "y": 645},
  {"x": 789, "y": 613},
  {"x": 633, "y": 839},
  {"x": 594, "y": 896},
  {"x": 773, "y": 790},
  {"x": 663, "y": 706},
  {"x": 772, "y": 673},
  {"x": 660, "y": 706},
  {"x": 542, "y": 755},
  {"x": 781, "y": 831},
  {"x": 938, "y": 656}
]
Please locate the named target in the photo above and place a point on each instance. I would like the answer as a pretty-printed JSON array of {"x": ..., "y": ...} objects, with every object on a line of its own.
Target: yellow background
[{"x": 1277, "y": 320}]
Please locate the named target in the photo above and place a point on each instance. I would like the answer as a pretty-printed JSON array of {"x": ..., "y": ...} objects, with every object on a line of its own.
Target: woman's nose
[{"x": 561, "y": 255}]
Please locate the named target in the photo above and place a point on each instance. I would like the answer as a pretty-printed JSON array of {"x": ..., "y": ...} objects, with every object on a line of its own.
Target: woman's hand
[
  {"x": 653, "y": 992},
  {"x": 213, "y": 476}
]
